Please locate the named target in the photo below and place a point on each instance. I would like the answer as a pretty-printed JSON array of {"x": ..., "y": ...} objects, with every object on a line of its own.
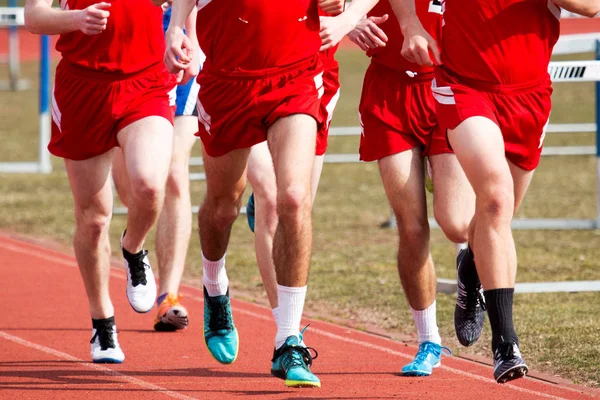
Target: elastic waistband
[
  {"x": 403, "y": 76},
  {"x": 313, "y": 61},
  {"x": 489, "y": 87},
  {"x": 107, "y": 75}
]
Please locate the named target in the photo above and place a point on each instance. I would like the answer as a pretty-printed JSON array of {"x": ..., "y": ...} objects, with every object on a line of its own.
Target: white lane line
[
  {"x": 40, "y": 254},
  {"x": 97, "y": 367}
]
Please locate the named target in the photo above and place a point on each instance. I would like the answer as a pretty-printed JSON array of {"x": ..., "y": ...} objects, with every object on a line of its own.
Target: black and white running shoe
[
  {"x": 141, "y": 286},
  {"x": 105, "y": 346},
  {"x": 469, "y": 312},
  {"x": 508, "y": 363}
]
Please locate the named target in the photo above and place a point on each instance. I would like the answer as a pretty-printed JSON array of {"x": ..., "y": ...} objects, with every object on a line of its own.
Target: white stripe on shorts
[
  {"x": 443, "y": 94},
  {"x": 191, "y": 100},
  {"x": 172, "y": 96},
  {"x": 330, "y": 107},
  {"x": 203, "y": 116},
  {"x": 55, "y": 111}
]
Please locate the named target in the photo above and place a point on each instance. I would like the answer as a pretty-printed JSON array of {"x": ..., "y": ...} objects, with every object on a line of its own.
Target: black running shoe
[
  {"x": 469, "y": 312},
  {"x": 508, "y": 363}
]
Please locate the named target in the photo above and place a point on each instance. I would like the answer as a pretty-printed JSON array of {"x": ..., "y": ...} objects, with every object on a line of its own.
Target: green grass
[{"x": 353, "y": 275}]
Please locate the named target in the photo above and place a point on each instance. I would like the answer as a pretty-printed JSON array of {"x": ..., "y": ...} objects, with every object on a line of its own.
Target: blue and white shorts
[{"x": 186, "y": 95}]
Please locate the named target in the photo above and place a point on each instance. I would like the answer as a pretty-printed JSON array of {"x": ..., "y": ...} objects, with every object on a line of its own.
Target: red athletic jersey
[
  {"x": 250, "y": 35},
  {"x": 133, "y": 39},
  {"x": 501, "y": 41},
  {"x": 428, "y": 11}
]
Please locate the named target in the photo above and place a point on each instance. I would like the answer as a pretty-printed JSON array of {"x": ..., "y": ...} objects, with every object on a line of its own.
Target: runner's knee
[
  {"x": 178, "y": 180},
  {"x": 223, "y": 209},
  {"x": 413, "y": 232},
  {"x": 496, "y": 202},
  {"x": 94, "y": 221},
  {"x": 146, "y": 190},
  {"x": 294, "y": 201}
]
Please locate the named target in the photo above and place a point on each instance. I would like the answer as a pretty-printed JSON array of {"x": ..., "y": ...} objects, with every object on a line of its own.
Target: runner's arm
[
  {"x": 417, "y": 42},
  {"x": 333, "y": 29},
  {"x": 332, "y": 7},
  {"x": 587, "y": 8},
  {"x": 190, "y": 27},
  {"x": 179, "y": 49},
  {"x": 190, "y": 31},
  {"x": 41, "y": 18}
]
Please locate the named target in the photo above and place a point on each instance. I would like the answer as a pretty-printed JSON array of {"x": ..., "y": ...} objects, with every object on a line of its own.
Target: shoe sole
[
  {"x": 173, "y": 324},
  {"x": 515, "y": 372},
  {"x": 237, "y": 350},
  {"x": 138, "y": 311},
  {"x": 302, "y": 384},
  {"x": 419, "y": 373},
  {"x": 107, "y": 361},
  {"x": 415, "y": 373}
]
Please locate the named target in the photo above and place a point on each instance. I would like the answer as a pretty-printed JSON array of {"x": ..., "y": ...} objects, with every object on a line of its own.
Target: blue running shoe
[
  {"x": 292, "y": 362},
  {"x": 427, "y": 358},
  {"x": 220, "y": 334},
  {"x": 250, "y": 212}
]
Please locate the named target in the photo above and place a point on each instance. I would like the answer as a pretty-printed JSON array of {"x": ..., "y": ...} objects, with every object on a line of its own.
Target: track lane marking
[
  {"x": 96, "y": 367},
  {"x": 39, "y": 252}
]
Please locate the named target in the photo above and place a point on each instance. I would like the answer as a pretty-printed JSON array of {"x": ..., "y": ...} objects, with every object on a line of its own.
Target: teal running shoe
[
  {"x": 427, "y": 358},
  {"x": 250, "y": 214},
  {"x": 220, "y": 335},
  {"x": 292, "y": 362}
]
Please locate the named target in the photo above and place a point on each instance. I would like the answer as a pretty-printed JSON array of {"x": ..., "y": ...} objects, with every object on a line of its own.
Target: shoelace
[
  {"x": 426, "y": 348},
  {"x": 220, "y": 317},
  {"x": 137, "y": 269},
  {"x": 105, "y": 337},
  {"x": 298, "y": 356},
  {"x": 505, "y": 351},
  {"x": 469, "y": 300},
  {"x": 172, "y": 300}
]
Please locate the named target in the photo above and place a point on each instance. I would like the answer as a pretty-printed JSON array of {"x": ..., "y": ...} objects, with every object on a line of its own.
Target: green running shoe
[
  {"x": 220, "y": 335},
  {"x": 292, "y": 362}
]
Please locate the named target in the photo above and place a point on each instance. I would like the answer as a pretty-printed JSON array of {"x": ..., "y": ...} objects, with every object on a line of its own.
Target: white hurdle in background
[{"x": 11, "y": 18}]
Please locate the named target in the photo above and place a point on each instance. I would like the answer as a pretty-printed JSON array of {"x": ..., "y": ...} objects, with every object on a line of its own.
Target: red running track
[{"x": 44, "y": 350}]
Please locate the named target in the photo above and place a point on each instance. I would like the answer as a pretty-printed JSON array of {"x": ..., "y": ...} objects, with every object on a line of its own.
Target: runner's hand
[
  {"x": 332, "y": 7},
  {"x": 367, "y": 35},
  {"x": 93, "y": 20},
  {"x": 178, "y": 50},
  {"x": 333, "y": 30},
  {"x": 193, "y": 69},
  {"x": 418, "y": 44}
]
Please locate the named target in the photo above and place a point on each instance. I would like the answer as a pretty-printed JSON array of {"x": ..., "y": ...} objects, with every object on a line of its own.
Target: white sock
[
  {"x": 276, "y": 315},
  {"x": 427, "y": 328},
  {"x": 215, "y": 277},
  {"x": 291, "y": 305}
]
